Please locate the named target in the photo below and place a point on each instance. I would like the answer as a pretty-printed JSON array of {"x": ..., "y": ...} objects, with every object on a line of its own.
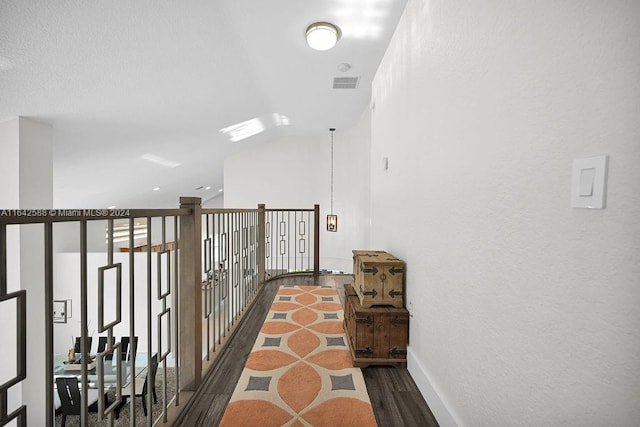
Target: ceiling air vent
[{"x": 345, "y": 82}]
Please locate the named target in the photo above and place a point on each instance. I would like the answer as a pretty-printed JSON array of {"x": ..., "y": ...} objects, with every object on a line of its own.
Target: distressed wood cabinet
[
  {"x": 376, "y": 335},
  {"x": 378, "y": 278}
]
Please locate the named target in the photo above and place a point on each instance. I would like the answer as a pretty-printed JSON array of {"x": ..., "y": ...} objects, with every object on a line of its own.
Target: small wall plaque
[{"x": 60, "y": 311}]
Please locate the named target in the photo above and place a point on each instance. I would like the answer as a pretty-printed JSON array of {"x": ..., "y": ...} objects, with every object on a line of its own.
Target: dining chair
[
  {"x": 124, "y": 355},
  {"x": 124, "y": 347},
  {"x": 71, "y": 400},
  {"x": 142, "y": 387},
  {"x": 76, "y": 346},
  {"x": 102, "y": 345}
]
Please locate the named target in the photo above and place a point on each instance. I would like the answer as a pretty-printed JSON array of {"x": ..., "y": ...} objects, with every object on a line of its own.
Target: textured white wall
[
  {"x": 295, "y": 173},
  {"x": 36, "y": 192},
  {"x": 10, "y": 199},
  {"x": 526, "y": 310},
  {"x": 26, "y": 170},
  {"x": 9, "y": 170},
  {"x": 282, "y": 173}
]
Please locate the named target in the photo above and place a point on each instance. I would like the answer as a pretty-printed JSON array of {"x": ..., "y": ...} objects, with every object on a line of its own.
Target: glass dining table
[{"x": 63, "y": 368}]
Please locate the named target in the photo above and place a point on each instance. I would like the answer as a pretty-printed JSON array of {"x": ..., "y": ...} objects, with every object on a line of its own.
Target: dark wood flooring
[{"x": 394, "y": 395}]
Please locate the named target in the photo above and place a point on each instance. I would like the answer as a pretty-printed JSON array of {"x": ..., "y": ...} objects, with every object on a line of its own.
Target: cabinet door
[
  {"x": 398, "y": 337},
  {"x": 364, "y": 335},
  {"x": 381, "y": 339}
]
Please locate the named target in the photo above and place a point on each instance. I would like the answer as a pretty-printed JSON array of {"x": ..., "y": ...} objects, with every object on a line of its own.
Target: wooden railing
[{"x": 180, "y": 294}]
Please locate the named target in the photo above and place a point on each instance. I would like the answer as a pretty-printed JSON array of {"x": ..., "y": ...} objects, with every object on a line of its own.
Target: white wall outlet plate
[{"x": 589, "y": 182}]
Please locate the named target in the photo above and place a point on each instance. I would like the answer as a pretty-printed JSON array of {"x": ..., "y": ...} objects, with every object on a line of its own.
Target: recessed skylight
[
  {"x": 362, "y": 19},
  {"x": 280, "y": 120},
  {"x": 243, "y": 130},
  {"x": 159, "y": 160}
]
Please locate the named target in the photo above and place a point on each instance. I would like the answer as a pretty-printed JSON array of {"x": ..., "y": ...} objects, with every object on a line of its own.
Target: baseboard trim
[{"x": 429, "y": 391}]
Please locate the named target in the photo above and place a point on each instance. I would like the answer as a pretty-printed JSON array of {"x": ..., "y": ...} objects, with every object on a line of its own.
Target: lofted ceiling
[{"x": 138, "y": 91}]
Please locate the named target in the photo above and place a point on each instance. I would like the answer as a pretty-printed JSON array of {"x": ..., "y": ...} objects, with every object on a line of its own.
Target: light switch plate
[{"x": 589, "y": 182}]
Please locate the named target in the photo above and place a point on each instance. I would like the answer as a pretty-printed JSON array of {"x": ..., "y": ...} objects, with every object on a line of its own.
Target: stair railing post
[
  {"x": 190, "y": 294},
  {"x": 316, "y": 239}
]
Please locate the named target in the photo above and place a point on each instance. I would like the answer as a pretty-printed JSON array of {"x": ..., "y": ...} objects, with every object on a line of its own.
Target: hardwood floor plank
[
  {"x": 413, "y": 409},
  {"x": 384, "y": 408}
]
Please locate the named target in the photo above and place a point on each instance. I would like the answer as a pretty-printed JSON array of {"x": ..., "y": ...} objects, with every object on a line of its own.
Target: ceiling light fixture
[{"x": 322, "y": 35}]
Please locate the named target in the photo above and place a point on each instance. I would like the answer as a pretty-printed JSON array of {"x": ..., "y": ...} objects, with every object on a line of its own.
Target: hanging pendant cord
[{"x": 332, "y": 130}]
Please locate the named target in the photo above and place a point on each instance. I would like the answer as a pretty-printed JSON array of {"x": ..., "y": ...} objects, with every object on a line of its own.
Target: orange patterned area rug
[{"x": 300, "y": 372}]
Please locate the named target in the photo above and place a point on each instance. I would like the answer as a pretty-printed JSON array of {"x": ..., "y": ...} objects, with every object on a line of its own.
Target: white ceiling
[{"x": 121, "y": 79}]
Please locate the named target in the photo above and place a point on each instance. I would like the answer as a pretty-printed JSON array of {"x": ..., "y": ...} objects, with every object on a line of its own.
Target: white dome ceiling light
[{"x": 322, "y": 35}]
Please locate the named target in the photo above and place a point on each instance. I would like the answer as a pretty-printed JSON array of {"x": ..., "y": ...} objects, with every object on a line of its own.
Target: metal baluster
[
  {"x": 236, "y": 263},
  {"x": 48, "y": 318},
  {"x": 219, "y": 283},
  {"x": 245, "y": 259},
  {"x": 84, "y": 414},
  {"x": 176, "y": 305},
  {"x": 3, "y": 259},
  {"x": 297, "y": 243},
  {"x": 216, "y": 277},
  {"x": 132, "y": 317},
  {"x": 151, "y": 387},
  {"x": 289, "y": 241},
  {"x": 149, "y": 346},
  {"x": 310, "y": 245},
  {"x": 227, "y": 295},
  {"x": 209, "y": 274}
]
